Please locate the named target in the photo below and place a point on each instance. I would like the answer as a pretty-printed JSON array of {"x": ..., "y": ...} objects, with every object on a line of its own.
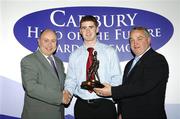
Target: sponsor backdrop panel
[{"x": 22, "y": 21}]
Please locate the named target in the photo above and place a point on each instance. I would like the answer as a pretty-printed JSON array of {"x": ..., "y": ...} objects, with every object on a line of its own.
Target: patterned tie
[
  {"x": 53, "y": 65},
  {"x": 89, "y": 62}
]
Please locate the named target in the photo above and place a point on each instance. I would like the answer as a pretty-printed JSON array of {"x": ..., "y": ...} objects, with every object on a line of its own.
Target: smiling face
[
  {"x": 139, "y": 41},
  {"x": 89, "y": 31},
  {"x": 47, "y": 42}
]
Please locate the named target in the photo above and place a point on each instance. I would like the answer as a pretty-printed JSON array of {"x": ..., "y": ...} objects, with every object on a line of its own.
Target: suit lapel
[
  {"x": 149, "y": 52},
  {"x": 135, "y": 66},
  {"x": 58, "y": 67},
  {"x": 44, "y": 62},
  {"x": 60, "y": 70}
]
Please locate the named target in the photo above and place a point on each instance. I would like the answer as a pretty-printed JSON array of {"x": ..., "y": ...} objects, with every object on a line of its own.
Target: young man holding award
[{"x": 89, "y": 66}]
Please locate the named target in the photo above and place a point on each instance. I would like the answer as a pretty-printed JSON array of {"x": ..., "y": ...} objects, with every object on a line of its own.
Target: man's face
[
  {"x": 88, "y": 31},
  {"x": 47, "y": 42},
  {"x": 139, "y": 42}
]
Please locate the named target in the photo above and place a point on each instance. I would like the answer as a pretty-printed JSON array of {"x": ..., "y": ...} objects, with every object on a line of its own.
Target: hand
[
  {"x": 66, "y": 96},
  {"x": 120, "y": 116},
  {"x": 106, "y": 91}
]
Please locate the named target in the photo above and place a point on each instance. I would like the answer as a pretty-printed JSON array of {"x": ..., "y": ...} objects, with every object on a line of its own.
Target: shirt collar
[
  {"x": 45, "y": 55},
  {"x": 96, "y": 45}
]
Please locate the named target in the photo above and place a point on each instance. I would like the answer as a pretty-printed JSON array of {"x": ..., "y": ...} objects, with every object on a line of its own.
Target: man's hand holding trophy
[{"x": 92, "y": 73}]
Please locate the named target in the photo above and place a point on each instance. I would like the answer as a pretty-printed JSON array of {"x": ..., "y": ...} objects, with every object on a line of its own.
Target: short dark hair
[
  {"x": 89, "y": 18},
  {"x": 146, "y": 32}
]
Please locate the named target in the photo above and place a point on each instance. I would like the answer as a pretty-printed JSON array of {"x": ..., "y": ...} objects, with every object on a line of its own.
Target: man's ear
[
  {"x": 149, "y": 40},
  {"x": 97, "y": 30},
  {"x": 38, "y": 41}
]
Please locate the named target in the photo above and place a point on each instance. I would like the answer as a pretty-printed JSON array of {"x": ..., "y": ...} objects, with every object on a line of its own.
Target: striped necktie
[{"x": 53, "y": 65}]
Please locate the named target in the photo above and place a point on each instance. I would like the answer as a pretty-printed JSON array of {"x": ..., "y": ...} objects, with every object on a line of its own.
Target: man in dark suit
[
  {"x": 43, "y": 84},
  {"x": 142, "y": 94}
]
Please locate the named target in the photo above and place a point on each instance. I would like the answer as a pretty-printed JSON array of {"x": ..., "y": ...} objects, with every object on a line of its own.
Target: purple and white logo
[{"x": 114, "y": 22}]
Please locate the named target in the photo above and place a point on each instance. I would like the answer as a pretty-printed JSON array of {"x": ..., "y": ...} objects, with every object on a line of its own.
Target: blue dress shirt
[{"x": 109, "y": 69}]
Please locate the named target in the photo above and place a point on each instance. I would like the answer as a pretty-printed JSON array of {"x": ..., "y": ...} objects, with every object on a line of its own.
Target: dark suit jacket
[
  {"x": 142, "y": 94},
  {"x": 43, "y": 88}
]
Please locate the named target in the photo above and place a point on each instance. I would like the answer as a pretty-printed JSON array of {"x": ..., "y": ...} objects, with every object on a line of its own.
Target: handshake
[{"x": 66, "y": 97}]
